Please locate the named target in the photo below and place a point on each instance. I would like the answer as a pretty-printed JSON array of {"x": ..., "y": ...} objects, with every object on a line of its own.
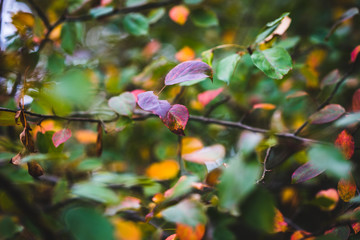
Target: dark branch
[{"x": 40, "y": 13}]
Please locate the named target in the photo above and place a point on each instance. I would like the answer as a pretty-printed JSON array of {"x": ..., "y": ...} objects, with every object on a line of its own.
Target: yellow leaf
[
  {"x": 190, "y": 144},
  {"x": 22, "y": 21},
  {"x": 86, "y": 136},
  {"x": 346, "y": 189},
  {"x": 185, "y": 54},
  {"x": 179, "y": 14},
  {"x": 164, "y": 170},
  {"x": 126, "y": 230},
  {"x": 55, "y": 34}
]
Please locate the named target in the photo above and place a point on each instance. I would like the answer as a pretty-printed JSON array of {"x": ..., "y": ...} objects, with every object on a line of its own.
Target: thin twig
[
  {"x": 40, "y": 13},
  {"x": 265, "y": 170}
]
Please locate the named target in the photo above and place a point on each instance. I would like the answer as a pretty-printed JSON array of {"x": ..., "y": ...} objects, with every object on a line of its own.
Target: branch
[
  {"x": 264, "y": 163},
  {"x": 126, "y": 10},
  {"x": 40, "y": 13}
]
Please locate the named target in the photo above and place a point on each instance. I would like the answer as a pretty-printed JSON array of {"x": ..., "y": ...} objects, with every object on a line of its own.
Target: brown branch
[
  {"x": 50, "y": 29},
  {"x": 40, "y": 13},
  {"x": 126, "y": 10},
  {"x": 265, "y": 170},
  {"x": 330, "y": 97}
]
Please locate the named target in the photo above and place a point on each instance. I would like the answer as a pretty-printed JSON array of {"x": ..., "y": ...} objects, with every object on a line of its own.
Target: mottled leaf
[
  {"x": 205, "y": 97},
  {"x": 346, "y": 189},
  {"x": 61, "y": 136},
  {"x": 305, "y": 172},
  {"x": 148, "y": 101},
  {"x": 187, "y": 71},
  {"x": 345, "y": 142},
  {"x": 274, "y": 62},
  {"x": 327, "y": 114},
  {"x": 176, "y": 119},
  {"x": 124, "y": 104}
]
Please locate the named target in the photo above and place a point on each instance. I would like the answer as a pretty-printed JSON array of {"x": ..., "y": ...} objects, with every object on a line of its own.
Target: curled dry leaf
[
  {"x": 281, "y": 29},
  {"x": 35, "y": 169},
  {"x": 188, "y": 71}
]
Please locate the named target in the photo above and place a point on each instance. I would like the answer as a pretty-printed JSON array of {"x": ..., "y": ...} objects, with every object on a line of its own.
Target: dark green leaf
[
  {"x": 68, "y": 37},
  {"x": 136, "y": 24},
  {"x": 204, "y": 18}
]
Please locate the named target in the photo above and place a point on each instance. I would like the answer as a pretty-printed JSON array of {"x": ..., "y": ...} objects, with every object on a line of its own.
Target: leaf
[
  {"x": 68, "y": 37},
  {"x": 347, "y": 15},
  {"x": 179, "y": 14},
  {"x": 204, "y": 18},
  {"x": 278, "y": 20},
  {"x": 205, "y": 97},
  {"x": 86, "y": 136},
  {"x": 191, "y": 2},
  {"x": 327, "y": 114},
  {"x": 327, "y": 199},
  {"x": 136, "y": 92},
  {"x": 205, "y": 155},
  {"x": 271, "y": 26},
  {"x": 87, "y": 223},
  {"x": 190, "y": 144},
  {"x": 226, "y": 67},
  {"x": 297, "y": 94},
  {"x": 7, "y": 118},
  {"x": 185, "y": 54},
  {"x": 148, "y": 101},
  {"x": 99, "y": 141},
  {"x": 45, "y": 143},
  {"x": 181, "y": 187},
  {"x": 280, "y": 29},
  {"x": 89, "y": 164},
  {"x": 188, "y": 71},
  {"x": 236, "y": 183},
  {"x": 95, "y": 192},
  {"x": 345, "y": 142},
  {"x": 248, "y": 141},
  {"x": 99, "y": 11},
  {"x": 207, "y": 57},
  {"x": 279, "y": 222},
  {"x": 186, "y": 232},
  {"x": 61, "y": 136},
  {"x": 346, "y": 189},
  {"x": 265, "y": 106},
  {"x": 35, "y": 169},
  {"x": 155, "y": 15},
  {"x": 163, "y": 170},
  {"x": 298, "y": 235},
  {"x": 274, "y": 62},
  {"x": 124, "y": 104},
  {"x": 136, "y": 24},
  {"x": 189, "y": 211},
  {"x": 354, "y": 53},
  {"x": 305, "y": 172},
  {"x": 356, "y": 101},
  {"x": 331, "y": 78},
  {"x": 176, "y": 119},
  {"x": 126, "y": 230}
]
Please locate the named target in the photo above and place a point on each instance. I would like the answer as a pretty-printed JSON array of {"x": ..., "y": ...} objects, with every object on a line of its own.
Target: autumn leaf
[
  {"x": 327, "y": 199},
  {"x": 265, "y": 106},
  {"x": 126, "y": 230},
  {"x": 186, "y": 232},
  {"x": 151, "y": 48},
  {"x": 299, "y": 235},
  {"x": 86, "y": 136},
  {"x": 354, "y": 53},
  {"x": 327, "y": 114},
  {"x": 188, "y": 71},
  {"x": 136, "y": 92},
  {"x": 345, "y": 142},
  {"x": 305, "y": 172},
  {"x": 148, "y": 101},
  {"x": 279, "y": 223},
  {"x": 207, "y": 154},
  {"x": 346, "y": 189},
  {"x": 35, "y": 169},
  {"x": 176, "y": 119},
  {"x": 356, "y": 101},
  {"x": 164, "y": 170},
  {"x": 61, "y": 136},
  {"x": 179, "y": 14},
  {"x": 205, "y": 97},
  {"x": 185, "y": 54},
  {"x": 190, "y": 144}
]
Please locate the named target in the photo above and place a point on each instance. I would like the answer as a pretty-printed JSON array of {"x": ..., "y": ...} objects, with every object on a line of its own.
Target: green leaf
[
  {"x": 274, "y": 62},
  {"x": 189, "y": 211},
  {"x": 192, "y": 2},
  {"x": 155, "y": 15},
  {"x": 124, "y": 104},
  {"x": 264, "y": 34},
  {"x": 197, "y": 169},
  {"x": 348, "y": 119},
  {"x": 7, "y": 118},
  {"x": 331, "y": 159},
  {"x": 86, "y": 223},
  {"x": 207, "y": 57},
  {"x": 68, "y": 37},
  {"x": 237, "y": 181},
  {"x": 56, "y": 63},
  {"x": 204, "y": 18},
  {"x": 89, "y": 164},
  {"x": 183, "y": 187},
  {"x": 136, "y": 24},
  {"x": 289, "y": 42},
  {"x": 45, "y": 144},
  {"x": 95, "y": 192},
  {"x": 99, "y": 11},
  {"x": 278, "y": 20},
  {"x": 133, "y": 3},
  {"x": 226, "y": 67},
  {"x": 8, "y": 228}
]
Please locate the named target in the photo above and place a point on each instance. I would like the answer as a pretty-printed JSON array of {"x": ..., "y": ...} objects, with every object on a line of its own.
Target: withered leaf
[{"x": 35, "y": 169}]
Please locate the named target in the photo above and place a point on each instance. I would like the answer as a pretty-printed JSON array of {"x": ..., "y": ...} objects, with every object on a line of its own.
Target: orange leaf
[
  {"x": 190, "y": 144},
  {"x": 345, "y": 142},
  {"x": 158, "y": 197},
  {"x": 186, "y": 232},
  {"x": 331, "y": 195},
  {"x": 346, "y": 189},
  {"x": 265, "y": 106},
  {"x": 185, "y": 54},
  {"x": 86, "y": 136},
  {"x": 354, "y": 53},
  {"x": 301, "y": 235},
  {"x": 151, "y": 48},
  {"x": 126, "y": 230},
  {"x": 315, "y": 58},
  {"x": 356, "y": 227},
  {"x": 164, "y": 170},
  {"x": 179, "y": 14},
  {"x": 205, "y": 97},
  {"x": 279, "y": 222}
]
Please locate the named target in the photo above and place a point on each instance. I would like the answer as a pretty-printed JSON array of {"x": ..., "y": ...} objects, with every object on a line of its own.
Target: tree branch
[{"x": 40, "y": 13}]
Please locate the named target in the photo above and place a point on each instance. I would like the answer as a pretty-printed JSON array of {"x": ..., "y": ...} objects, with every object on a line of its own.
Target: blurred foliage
[{"x": 279, "y": 160}]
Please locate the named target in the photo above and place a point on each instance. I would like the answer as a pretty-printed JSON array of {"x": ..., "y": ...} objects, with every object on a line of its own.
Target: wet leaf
[
  {"x": 346, "y": 189},
  {"x": 176, "y": 119},
  {"x": 205, "y": 97},
  {"x": 179, "y": 14},
  {"x": 345, "y": 142},
  {"x": 327, "y": 114},
  {"x": 148, "y": 101},
  {"x": 124, "y": 104},
  {"x": 136, "y": 24},
  {"x": 164, "y": 170},
  {"x": 189, "y": 211},
  {"x": 305, "y": 172},
  {"x": 188, "y": 71},
  {"x": 61, "y": 136},
  {"x": 186, "y": 232},
  {"x": 274, "y": 62},
  {"x": 225, "y": 69},
  {"x": 356, "y": 101}
]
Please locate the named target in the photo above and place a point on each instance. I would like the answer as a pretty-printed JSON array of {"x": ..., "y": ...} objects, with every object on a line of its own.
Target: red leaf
[
  {"x": 345, "y": 142},
  {"x": 176, "y": 119},
  {"x": 61, "y": 136},
  {"x": 206, "y": 97},
  {"x": 186, "y": 232},
  {"x": 354, "y": 53},
  {"x": 188, "y": 71},
  {"x": 305, "y": 172},
  {"x": 148, "y": 101},
  {"x": 279, "y": 223},
  {"x": 328, "y": 114},
  {"x": 356, "y": 101}
]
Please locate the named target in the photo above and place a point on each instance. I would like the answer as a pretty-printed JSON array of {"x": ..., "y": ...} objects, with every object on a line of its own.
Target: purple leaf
[
  {"x": 306, "y": 172},
  {"x": 188, "y": 71},
  {"x": 176, "y": 119},
  {"x": 329, "y": 113},
  {"x": 148, "y": 101},
  {"x": 61, "y": 136}
]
